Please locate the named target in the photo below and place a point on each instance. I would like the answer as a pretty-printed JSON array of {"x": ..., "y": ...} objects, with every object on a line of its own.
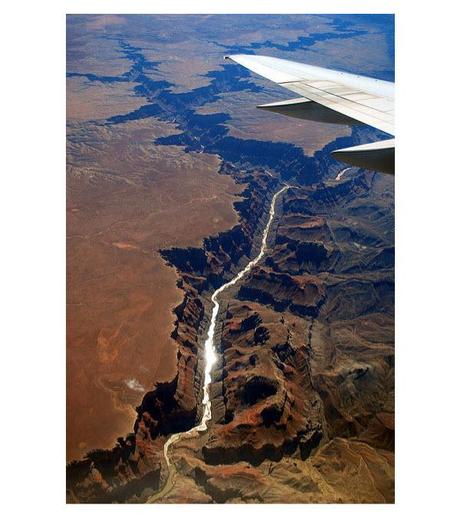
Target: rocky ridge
[{"x": 303, "y": 393}]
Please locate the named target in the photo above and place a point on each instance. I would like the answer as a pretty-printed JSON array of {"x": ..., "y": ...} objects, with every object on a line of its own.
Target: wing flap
[
  {"x": 362, "y": 110},
  {"x": 302, "y": 108}
]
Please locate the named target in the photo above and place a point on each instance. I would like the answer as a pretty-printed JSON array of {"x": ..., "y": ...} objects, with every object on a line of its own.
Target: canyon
[
  {"x": 299, "y": 403},
  {"x": 305, "y": 360}
]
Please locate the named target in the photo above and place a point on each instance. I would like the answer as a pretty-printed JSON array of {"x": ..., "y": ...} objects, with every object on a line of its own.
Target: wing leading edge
[{"x": 336, "y": 97}]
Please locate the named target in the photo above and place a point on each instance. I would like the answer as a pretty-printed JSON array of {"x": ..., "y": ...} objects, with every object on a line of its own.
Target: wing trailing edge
[{"x": 302, "y": 108}]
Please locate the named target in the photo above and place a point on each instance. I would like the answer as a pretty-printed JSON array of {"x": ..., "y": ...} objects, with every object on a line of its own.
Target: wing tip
[{"x": 234, "y": 57}]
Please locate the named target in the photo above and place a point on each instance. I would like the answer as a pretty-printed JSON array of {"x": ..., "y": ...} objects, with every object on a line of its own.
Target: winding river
[{"x": 210, "y": 356}]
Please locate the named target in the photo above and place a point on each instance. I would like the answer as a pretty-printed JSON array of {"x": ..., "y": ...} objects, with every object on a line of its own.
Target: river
[
  {"x": 341, "y": 173},
  {"x": 210, "y": 355}
]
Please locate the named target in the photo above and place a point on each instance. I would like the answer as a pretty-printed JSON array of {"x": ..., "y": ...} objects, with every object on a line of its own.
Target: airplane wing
[{"x": 335, "y": 97}]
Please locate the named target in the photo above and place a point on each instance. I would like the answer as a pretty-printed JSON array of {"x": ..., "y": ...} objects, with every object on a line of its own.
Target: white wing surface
[{"x": 332, "y": 96}]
